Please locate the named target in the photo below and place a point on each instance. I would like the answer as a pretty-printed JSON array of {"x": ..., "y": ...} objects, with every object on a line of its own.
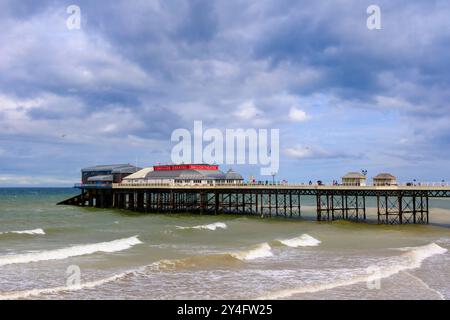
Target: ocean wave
[
  {"x": 224, "y": 259},
  {"x": 260, "y": 251},
  {"x": 87, "y": 285},
  {"x": 31, "y": 232},
  {"x": 305, "y": 240},
  {"x": 161, "y": 265},
  {"x": 412, "y": 259},
  {"x": 196, "y": 262},
  {"x": 443, "y": 241},
  {"x": 211, "y": 226},
  {"x": 201, "y": 261},
  {"x": 73, "y": 251}
]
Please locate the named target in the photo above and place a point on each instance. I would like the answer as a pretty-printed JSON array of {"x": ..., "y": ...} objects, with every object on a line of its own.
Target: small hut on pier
[
  {"x": 384, "y": 179},
  {"x": 354, "y": 179},
  {"x": 233, "y": 177}
]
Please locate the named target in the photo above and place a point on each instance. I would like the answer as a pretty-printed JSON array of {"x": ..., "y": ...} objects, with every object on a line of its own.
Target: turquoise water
[{"x": 126, "y": 255}]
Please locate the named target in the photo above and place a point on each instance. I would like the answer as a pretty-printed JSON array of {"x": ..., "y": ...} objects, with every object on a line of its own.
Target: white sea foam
[
  {"x": 423, "y": 283},
  {"x": 261, "y": 251},
  {"x": 73, "y": 251},
  {"x": 155, "y": 266},
  {"x": 33, "y": 231},
  {"x": 412, "y": 259},
  {"x": 211, "y": 226},
  {"x": 87, "y": 285},
  {"x": 305, "y": 240}
]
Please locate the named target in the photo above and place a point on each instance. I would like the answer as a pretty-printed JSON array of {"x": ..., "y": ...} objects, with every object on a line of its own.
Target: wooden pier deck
[{"x": 394, "y": 204}]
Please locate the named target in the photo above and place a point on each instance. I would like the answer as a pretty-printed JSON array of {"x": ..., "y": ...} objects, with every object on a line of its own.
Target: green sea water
[{"x": 127, "y": 255}]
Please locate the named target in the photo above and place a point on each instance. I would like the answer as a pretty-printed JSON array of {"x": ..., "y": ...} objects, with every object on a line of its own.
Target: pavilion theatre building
[{"x": 184, "y": 174}]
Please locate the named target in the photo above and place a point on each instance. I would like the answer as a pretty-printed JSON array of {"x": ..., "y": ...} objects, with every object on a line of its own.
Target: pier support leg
[
  {"x": 90, "y": 199},
  {"x": 131, "y": 201},
  {"x": 270, "y": 204},
  {"x": 364, "y": 207},
  {"x": 140, "y": 201},
  {"x": 216, "y": 203},
  {"x": 290, "y": 204},
  {"x": 276, "y": 203},
  {"x": 319, "y": 207},
  {"x": 378, "y": 209},
  {"x": 202, "y": 202}
]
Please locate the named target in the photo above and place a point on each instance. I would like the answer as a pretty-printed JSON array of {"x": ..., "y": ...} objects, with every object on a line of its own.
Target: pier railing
[
  {"x": 281, "y": 185},
  {"x": 93, "y": 185}
]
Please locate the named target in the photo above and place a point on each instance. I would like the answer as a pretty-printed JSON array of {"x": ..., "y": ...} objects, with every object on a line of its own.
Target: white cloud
[
  {"x": 12, "y": 179},
  {"x": 392, "y": 102},
  {"x": 301, "y": 152},
  {"x": 247, "y": 111},
  {"x": 315, "y": 152},
  {"x": 297, "y": 115}
]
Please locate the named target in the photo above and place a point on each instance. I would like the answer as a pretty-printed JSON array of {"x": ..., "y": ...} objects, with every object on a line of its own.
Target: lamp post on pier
[{"x": 273, "y": 174}]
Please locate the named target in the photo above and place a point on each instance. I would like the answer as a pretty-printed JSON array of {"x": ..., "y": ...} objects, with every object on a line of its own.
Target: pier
[{"x": 394, "y": 204}]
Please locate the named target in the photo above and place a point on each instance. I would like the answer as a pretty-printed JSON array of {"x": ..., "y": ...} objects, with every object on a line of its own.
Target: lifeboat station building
[
  {"x": 184, "y": 174},
  {"x": 106, "y": 174}
]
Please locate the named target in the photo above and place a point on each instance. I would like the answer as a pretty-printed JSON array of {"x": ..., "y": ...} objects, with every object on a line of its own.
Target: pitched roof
[
  {"x": 233, "y": 175},
  {"x": 385, "y": 176},
  {"x": 354, "y": 175},
  {"x": 139, "y": 174}
]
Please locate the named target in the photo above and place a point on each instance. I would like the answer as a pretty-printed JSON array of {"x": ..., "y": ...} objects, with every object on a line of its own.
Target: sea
[{"x": 65, "y": 252}]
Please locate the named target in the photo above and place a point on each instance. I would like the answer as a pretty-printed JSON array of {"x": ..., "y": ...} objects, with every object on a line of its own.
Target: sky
[{"x": 344, "y": 97}]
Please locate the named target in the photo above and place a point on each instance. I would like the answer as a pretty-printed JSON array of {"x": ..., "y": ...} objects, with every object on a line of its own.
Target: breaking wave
[
  {"x": 305, "y": 240},
  {"x": 409, "y": 260},
  {"x": 261, "y": 251},
  {"x": 87, "y": 285},
  {"x": 220, "y": 259},
  {"x": 211, "y": 226},
  {"x": 162, "y": 265},
  {"x": 32, "y": 232},
  {"x": 64, "y": 253},
  {"x": 412, "y": 259}
]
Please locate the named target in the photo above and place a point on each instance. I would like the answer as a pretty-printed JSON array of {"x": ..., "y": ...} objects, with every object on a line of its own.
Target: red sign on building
[{"x": 186, "y": 167}]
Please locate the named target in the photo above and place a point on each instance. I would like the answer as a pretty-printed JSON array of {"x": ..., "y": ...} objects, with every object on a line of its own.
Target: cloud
[
  {"x": 297, "y": 115},
  {"x": 316, "y": 152},
  {"x": 134, "y": 73},
  {"x": 24, "y": 180},
  {"x": 247, "y": 111}
]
